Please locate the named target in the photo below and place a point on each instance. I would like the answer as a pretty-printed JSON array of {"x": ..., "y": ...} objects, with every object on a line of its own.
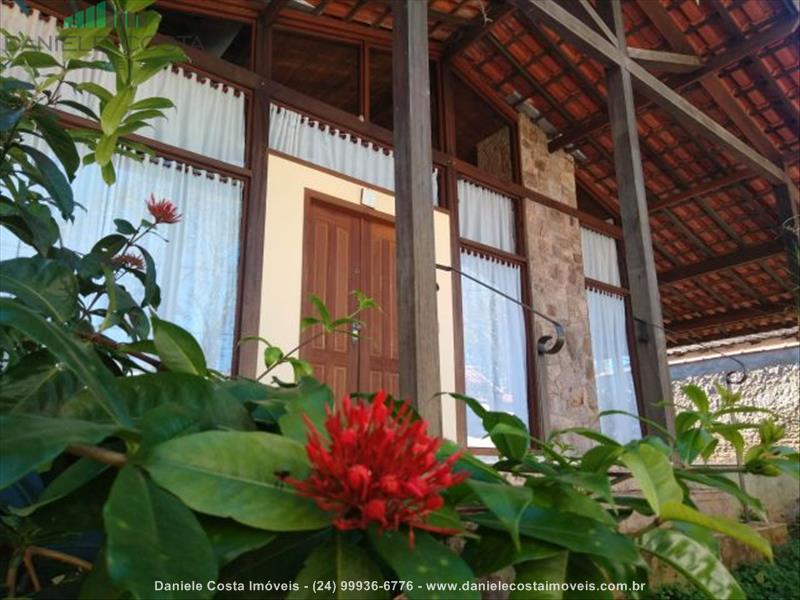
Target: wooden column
[
  {"x": 645, "y": 298},
  {"x": 418, "y": 331},
  {"x": 255, "y": 204}
]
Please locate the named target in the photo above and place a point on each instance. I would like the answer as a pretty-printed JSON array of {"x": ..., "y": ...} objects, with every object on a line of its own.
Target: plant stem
[
  {"x": 28, "y": 562},
  {"x": 103, "y": 455},
  {"x": 60, "y": 557},
  {"x": 650, "y": 526}
]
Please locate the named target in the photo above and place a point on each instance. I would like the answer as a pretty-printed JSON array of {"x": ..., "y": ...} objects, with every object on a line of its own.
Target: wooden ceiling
[{"x": 716, "y": 225}]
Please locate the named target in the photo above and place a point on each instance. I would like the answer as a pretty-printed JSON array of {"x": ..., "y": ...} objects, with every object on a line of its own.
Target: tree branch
[{"x": 109, "y": 457}]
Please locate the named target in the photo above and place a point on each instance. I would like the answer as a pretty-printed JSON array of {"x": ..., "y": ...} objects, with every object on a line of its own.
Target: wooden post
[
  {"x": 417, "y": 327},
  {"x": 255, "y": 203},
  {"x": 645, "y": 298}
]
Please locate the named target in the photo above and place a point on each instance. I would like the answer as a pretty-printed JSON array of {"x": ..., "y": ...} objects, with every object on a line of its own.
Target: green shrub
[{"x": 779, "y": 580}]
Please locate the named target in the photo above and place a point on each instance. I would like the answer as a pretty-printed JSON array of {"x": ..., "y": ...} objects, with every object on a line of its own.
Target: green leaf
[
  {"x": 533, "y": 573},
  {"x": 743, "y": 533},
  {"x": 272, "y": 354},
  {"x": 654, "y": 474},
  {"x": 692, "y": 443},
  {"x": 722, "y": 483},
  {"x": 477, "y": 469},
  {"x": 60, "y": 142},
  {"x": 28, "y": 441},
  {"x": 9, "y": 117},
  {"x": 152, "y": 536},
  {"x": 115, "y": 110},
  {"x": 506, "y": 502},
  {"x": 134, "y": 6},
  {"x": 36, "y": 384},
  {"x": 53, "y": 180},
  {"x": 36, "y": 59},
  {"x": 79, "y": 358},
  {"x": 147, "y": 27},
  {"x": 325, "y": 316},
  {"x": 238, "y": 475},
  {"x": 152, "y": 292},
  {"x": 104, "y": 151},
  {"x": 73, "y": 477},
  {"x": 124, "y": 227},
  {"x": 95, "y": 90},
  {"x": 309, "y": 401},
  {"x": 492, "y": 551},
  {"x": 43, "y": 284},
  {"x": 337, "y": 561},
  {"x": 77, "y": 42},
  {"x": 694, "y": 561},
  {"x": 152, "y": 103},
  {"x": 697, "y": 395},
  {"x": 98, "y": 585},
  {"x": 177, "y": 349},
  {"x": 508, "y": 433},
  {"x": 428, "y": 563},
  {"x": 570, "y": 531},
  {"x": 230, "y": 539}
]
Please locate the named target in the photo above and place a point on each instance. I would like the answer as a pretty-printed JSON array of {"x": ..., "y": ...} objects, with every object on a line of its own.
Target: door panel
[
  {"x": 378, "y": 345},
  {"x": 330, "y": 258},
  {"x": 342, "y": 252}
]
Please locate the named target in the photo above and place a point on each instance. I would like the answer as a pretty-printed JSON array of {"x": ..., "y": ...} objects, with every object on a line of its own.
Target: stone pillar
[{"x": 557, "y": 285}]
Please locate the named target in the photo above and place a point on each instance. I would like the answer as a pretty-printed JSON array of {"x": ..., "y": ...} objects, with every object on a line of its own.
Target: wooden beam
[
  {"x": 701, "y": 189},
  {"x": 417, "y": 329},
  {"x": 671, "y": 62},
  {"x": 732, "y": 55},
  {"x": 255, "y": 207},
  {"x": 272, "y": 11},
  {"x": 598, "y": 21},
  {"x": 477, "y": 30},
  {"x": 736, "y": 258},
  {"x": 587, "y": 40},
  {"x": 712, "y": 84},
  {"x": 729, "y": 317},
  {"x": 651, "y": 348}
]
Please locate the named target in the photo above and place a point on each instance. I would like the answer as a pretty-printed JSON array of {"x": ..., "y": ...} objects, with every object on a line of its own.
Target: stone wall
[
  {"x": 773, "y": 381},
  {"x": 557, "y": 284},
  {"x": 494, "y": 154}
]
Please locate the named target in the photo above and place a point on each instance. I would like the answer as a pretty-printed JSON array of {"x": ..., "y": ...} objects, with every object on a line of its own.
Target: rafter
[
  {"x": 672, "y": 62},
  {"x": 586, "y": 39},
  {"x": 480, "y": 27},
  {"x": 732, "y": 316},
  {"x": 712, "y": 84},
  {"x": 736, "y": 258},
  {"x": 732, "y": 55},
  {"x": 700, "y": 190}
]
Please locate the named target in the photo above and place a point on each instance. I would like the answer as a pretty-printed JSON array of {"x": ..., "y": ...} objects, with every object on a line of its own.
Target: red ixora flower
[
  {"x": 128, "y": 261},
  {"x": 378, "y": 468},
  {"x": 163, "y": 211}
]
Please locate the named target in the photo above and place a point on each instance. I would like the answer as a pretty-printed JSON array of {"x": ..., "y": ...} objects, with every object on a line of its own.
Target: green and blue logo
[{"x": 96, "y": 17}]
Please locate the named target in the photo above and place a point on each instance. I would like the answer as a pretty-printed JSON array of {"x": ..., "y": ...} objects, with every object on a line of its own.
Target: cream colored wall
[{"x": 281, "y": 292}]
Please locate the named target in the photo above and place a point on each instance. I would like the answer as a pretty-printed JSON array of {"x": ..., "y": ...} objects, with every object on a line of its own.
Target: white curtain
[
  {"x": 485, "y": 216},
  {"x": 612, "y": 365},
  {"x": 209, "y": 118},
  {"x": 607, "y": 327},
  {"x": 197, "y": 267},
  {"x": 600, "y": 259},
  {"x": 304, "y": 138},
  {"x": 494, "y": 342}
]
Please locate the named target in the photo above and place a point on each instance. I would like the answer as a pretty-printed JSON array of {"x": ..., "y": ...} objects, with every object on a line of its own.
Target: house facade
[{"x": 281, "y": 156}]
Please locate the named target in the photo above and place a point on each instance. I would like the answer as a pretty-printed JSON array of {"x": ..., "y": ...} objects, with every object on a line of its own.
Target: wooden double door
[{"x": 345, "y": 249}]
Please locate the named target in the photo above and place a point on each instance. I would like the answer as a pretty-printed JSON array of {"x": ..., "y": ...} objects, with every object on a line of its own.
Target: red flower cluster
[
  {"x": 128, "y": 261},
  {"x": 163, "y": 211},
  {"x": 378, "y": 468}
]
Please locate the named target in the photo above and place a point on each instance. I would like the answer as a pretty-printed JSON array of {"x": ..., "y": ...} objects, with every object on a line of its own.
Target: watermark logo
[{"x": 97, "y": 17}]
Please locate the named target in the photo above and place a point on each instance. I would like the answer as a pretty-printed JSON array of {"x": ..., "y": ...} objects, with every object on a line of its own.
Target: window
[
  {"x": 230, "y": 40},
  {"x": 608, "y": 330},
  {"x": 495, "y": 350},
  {"x": 320, "y": 68},
  {"x": 483, "y": 137},
  {"x": 381, "y": 109}
]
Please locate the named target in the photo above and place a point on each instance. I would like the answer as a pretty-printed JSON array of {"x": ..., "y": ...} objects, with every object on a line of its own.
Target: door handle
[{"x": 355, "y": 332}]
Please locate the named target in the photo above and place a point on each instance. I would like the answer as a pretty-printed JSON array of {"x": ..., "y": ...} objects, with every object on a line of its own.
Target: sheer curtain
[
  {"x": 209, "y": 118},
  {"x": 197, "y": 267},
  {"x": 494, "y": 342},
  {"x": 608, "y": 330},
  {"x": 485, "y": 216},
  {"x": 302, "y": 137}
]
